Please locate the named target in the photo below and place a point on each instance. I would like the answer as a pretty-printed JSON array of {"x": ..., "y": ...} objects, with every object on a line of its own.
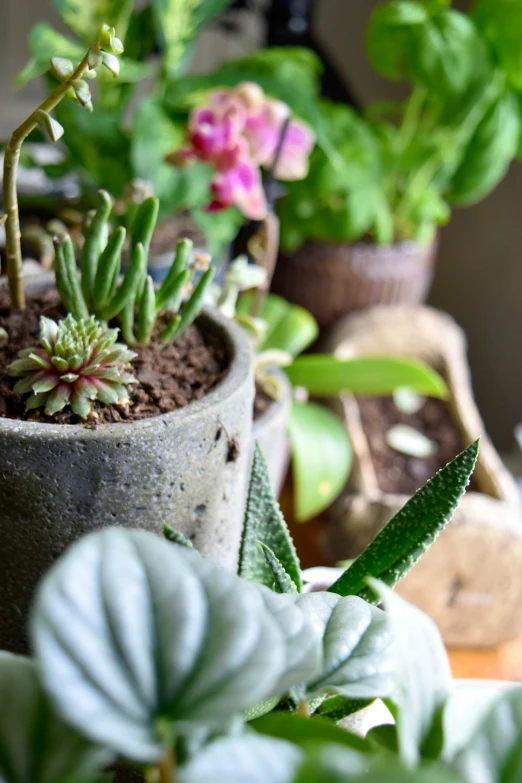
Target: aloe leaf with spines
[
  {"x": 264, "y": 522},
  {"x": 411, "y": 531},
  {"x": 71, "y": 83},
  {"x": 77, "y": 363}
]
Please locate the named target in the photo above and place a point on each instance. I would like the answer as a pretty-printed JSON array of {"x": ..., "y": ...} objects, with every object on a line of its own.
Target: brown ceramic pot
[{"x": 331, "y": 280}]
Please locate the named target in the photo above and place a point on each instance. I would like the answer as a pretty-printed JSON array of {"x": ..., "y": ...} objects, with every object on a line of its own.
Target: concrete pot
[
  {"x": 469, "y": 580},
  {"x": 270, "y": 432},
  {"x": 331, "y": 280},
  {"x": 59, "y": 482}
]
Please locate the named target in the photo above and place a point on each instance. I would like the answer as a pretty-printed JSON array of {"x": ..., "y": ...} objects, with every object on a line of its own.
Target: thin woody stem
[
  {"x": 11, "y": 160},
  {"x": 167, "y": 768}
]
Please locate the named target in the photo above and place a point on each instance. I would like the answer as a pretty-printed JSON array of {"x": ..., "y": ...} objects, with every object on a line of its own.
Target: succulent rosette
[
  {"x": 238, "y": 131},
  {"x": 79, "y": 361}
]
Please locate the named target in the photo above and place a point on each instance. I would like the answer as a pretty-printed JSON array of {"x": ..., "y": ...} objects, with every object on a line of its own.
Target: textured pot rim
[
  {"x": 402, "y": 246},
  {"x": 240, "y": 367},
  {"x": 278, "y": 407}
]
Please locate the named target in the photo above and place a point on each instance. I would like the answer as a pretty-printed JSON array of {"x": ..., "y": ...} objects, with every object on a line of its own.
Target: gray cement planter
[
  {"x": 60, "y": 482},
  {"x": 270, "y": 432}
]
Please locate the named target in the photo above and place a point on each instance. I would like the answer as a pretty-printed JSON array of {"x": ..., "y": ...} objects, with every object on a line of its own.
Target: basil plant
[{"x": 151, "y": 661}]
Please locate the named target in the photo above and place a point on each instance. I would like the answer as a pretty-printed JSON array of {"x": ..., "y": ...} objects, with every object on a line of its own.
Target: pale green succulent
[{"x": 79, "y": 361}]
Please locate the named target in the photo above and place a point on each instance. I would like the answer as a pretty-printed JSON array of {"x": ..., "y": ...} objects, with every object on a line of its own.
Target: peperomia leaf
[
  {"x": 422, "y": 677},
  {"x": 321, "y": 457},
  {"x": 326, "y": 375},
  {"x": 494, "y": 754},
  {"x": 357, "y": 659},
  {"x": 264, "y": 522},
  {"x": 244, "y": 759},
  {"x": 36, "y": 746},
  {"x": 131, "y": 633},
  {"x": 412, "y": 530}
]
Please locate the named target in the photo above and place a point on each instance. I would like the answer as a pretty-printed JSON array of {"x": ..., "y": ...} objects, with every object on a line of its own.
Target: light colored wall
[{"x": 479, "y": 273}]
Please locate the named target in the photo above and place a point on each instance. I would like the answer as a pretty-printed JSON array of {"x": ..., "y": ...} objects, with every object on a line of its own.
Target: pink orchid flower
[{"x": 240, "y": 186}]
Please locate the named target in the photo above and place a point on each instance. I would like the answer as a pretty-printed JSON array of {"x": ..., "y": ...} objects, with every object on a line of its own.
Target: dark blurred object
[{"x": 289, "y": 23}]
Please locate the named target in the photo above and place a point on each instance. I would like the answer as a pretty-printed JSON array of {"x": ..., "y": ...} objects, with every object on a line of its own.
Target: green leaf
[
  {"x": 494, "y": 754},
  {"x": 244, "y": 759},
  {"x": 336, "y": 708},
  {"x": 488, "y": 155},
  {"x": 282, "y": 583},
  {"x": 85, "y": 19},
  {"x": 412, "y": 530},
  {"x": 499, "y": 22},
  {"x": 44, "y": 43},
  {"x": 294, "y": 332},
  {"x": 131, "y": 632},
  {"x": 422, "y": 676},
  {"x": 264, "y": 522},
  {"x": 53, "y": 128},
  {"x": 387, "y": 36},
  {"x": 321, "y": 458},
  {"x": 302, "y": 731},
  {"x": 357, "y": 659},
  {"x": 36, "y": 746},
  {"x": 326, "y": 375},
  {"x": 333, "y": 765},
  {"x": 176, "y": 537}
]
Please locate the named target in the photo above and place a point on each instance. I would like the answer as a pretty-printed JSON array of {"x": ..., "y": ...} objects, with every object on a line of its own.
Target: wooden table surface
[{"x": 502, "y": 663}]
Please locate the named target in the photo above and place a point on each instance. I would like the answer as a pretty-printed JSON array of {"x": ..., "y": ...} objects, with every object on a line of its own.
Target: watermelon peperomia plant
[{"x": 149, "y": 655}]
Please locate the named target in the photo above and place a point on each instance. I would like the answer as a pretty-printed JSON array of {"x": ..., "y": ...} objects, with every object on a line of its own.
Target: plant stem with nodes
[{"x": 11, "y": 160}]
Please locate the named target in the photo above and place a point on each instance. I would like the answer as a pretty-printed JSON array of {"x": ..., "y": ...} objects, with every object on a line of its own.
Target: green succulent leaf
[
  {"x": 85, "y": 19},
  {"x": 53, "y": 128},
  {"x": 494, "y": 754},
  {"x": 357, "y": 659},
  {"x": 194, "y": 645},
  {"x": 282, "y": 583},
  {"x": 251, "y": 759},
  {"x": 36, "y": 746},
  {"x": 327, "y": 376},
  {"x": 264, "y": 522},
  {"x": 422, "y": 677},
  {"x": 412, "y": 530},
  {"x": 176, "y": 537},
  {"x": 321, "y": 458}
]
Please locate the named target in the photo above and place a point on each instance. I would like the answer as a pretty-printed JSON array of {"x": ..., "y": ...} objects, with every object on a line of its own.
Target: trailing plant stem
[
  {"x": 11, "y": 160},
  {"x": 167, "y": 768}
]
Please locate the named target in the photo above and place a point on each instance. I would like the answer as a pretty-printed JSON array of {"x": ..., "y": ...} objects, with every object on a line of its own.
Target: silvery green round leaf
[
  {"x": 357, "y": 656},
  {"x": 36, "y": 746},
  {"x": 246, "y": 759},
  {"x": 408, "y": 440},
  {"x": 129, "y": 629}
]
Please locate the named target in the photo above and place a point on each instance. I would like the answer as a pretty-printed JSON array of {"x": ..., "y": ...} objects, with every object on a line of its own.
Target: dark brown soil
[
  {"x": 401, "y": 473},
  {"x": 262, "y": 402},
  {"x": 167, "y": 234},
  {"x": 167, "y": 380}
]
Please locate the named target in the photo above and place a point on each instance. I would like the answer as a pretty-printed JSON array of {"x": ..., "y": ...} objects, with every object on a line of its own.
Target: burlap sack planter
[
  {"x": 270, "y": 433},
  {"x": 470, "y": 581},
  {"x": 331, "y": 280},
  {"x": 59, "y": 482}
]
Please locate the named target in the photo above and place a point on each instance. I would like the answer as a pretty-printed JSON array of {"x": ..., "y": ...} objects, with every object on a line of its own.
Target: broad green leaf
[
  {"x": 422, "y": 676},
  {"x": 273, "y": 311},
  {"x": 86, "y": 18},
  {"x": 321, "y": 458},
  {"x": 412, "y": 530},
  {"x": 304, "y": 731},
  {"x": 357, "y": 658},
  {"x": 131, "y": 631},
  {"x": 36, "y": 746},
  {"x": 264, "y": 523},
  {"x": 281, "y": 583},
  {"x": 45, "y": 42},
  {"x": 388, "y": 35},
  {"x": 244, "y": 759},
  {"x": 326, "y": 375},
  {"x": 499, "y": 22},
  {"x": 335, "y": 708},
  {"x": 488, "y": 155},
  {"x": 335, "y": 765},
  {"x": 494, "y": 754},
  {"x": 294, "y": 332}
]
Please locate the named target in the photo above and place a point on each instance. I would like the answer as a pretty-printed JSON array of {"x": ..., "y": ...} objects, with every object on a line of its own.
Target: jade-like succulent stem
[{"x": 11, "y": 159}]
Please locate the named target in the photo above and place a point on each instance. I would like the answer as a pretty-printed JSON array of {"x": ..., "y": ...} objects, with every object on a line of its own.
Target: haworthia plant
[
  {"x": 411, "y": 531},
  {"x": 264, "y": 523},
  {"x": 134, "y": 300}
]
